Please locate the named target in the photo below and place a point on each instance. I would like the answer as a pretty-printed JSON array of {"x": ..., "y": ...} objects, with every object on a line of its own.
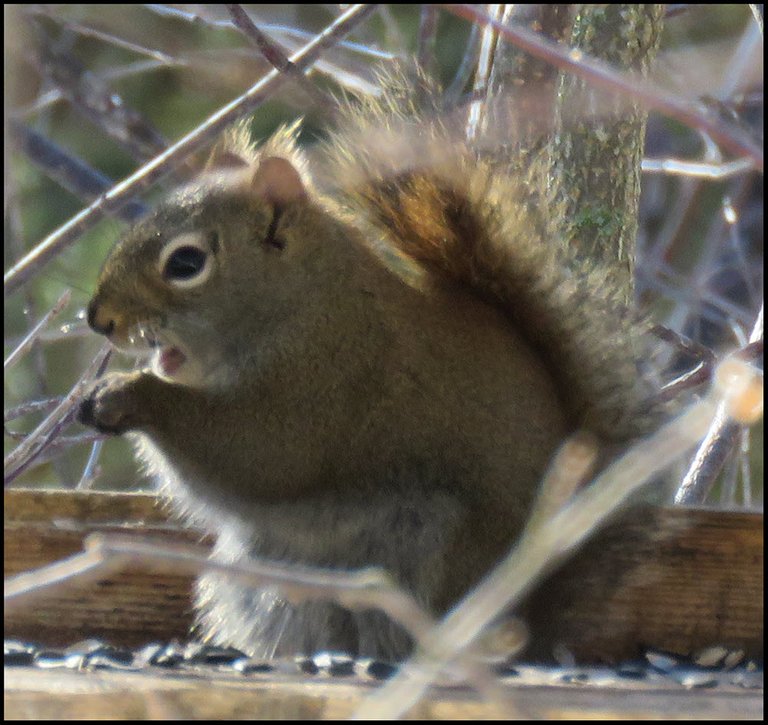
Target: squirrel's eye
[
  {"x": 185, "y": 263},
  {"x": 188, "y": 259}
]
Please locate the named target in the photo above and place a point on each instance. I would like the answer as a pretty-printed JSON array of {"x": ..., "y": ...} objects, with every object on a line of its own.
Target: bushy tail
[{"x": 459, "y": 214}]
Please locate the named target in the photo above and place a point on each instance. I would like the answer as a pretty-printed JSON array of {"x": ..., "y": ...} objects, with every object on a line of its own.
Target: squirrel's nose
[{"x": 99, "y": 319}]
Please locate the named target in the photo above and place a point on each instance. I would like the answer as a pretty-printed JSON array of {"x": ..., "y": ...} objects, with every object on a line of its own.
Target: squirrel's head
[{"x": 216, "y": 263}]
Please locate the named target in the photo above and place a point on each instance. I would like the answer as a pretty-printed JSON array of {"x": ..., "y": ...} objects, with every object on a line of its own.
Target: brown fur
[{"x": 377, "y": 375}]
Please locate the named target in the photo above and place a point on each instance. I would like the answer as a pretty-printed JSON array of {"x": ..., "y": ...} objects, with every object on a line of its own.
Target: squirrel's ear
[{"x": 277, "y": 180}]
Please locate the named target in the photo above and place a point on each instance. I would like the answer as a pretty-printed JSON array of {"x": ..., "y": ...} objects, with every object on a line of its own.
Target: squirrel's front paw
[{"x": 109, "y": 406}]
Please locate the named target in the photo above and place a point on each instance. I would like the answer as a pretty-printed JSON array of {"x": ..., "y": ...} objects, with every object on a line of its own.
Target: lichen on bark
[{"x": 596, "y": 150}]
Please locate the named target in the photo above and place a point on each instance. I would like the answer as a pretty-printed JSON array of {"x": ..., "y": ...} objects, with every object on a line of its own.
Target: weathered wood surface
[
  {"x": 38, "y": 694},
  {"x": 128, "y": 608},
  {"x": 700, "y": 585},
  {"x": 696, "y": 582}
]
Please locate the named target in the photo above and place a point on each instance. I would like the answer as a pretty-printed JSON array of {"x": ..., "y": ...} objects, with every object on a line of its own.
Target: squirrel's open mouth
[{"x": 170, "y": 359}]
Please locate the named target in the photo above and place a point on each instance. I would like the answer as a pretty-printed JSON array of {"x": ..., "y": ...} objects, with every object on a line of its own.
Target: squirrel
[{"x": 374, "y": 370}]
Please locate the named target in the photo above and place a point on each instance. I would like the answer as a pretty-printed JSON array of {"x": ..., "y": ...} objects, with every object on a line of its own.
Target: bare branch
[
  {"x": 91, "y": 32},
  {"x": 33, "y": 406},
  {"x": 720, "y": 439},
  {"x": 72, "y": 173},
  {"x": 18, "y": 352},
  {"x": 277, "y": 58},
  {"x": 425, "y": 53},
  {"x": 97, "y": 102},
  {"x": 677, "y": 167},
  {"x": 89, "y": 472},
  {"x": 20, "y": 458},
  {"x": 731, "y": 136}
]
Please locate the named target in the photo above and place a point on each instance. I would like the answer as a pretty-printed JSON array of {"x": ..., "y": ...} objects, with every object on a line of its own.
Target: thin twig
[
  {"x": 715, "y": 448},
  {"x": 699, "y": 374},
  {"x": 466, "y": 68},
  {"x": 694, "y": 300},
  {"x": 91, "y": 32},
  {"x": 19, "y": 351},
  {"x": 70, "y": 172},
  {"x": 603, "y": 75},
  {"x": 477, "y": 111},
  {"x": 275, "y": 56},
  {"x": 746, "y": 472},
  {"x": 291, "y": 38},
  {"x": 695, "y": 169},
  {"x": 89, "y": 472},
  {"x": 19, "y": 459},
  {"x": 427, "y": 38},
  {"x": 97, "y": 102},
  {"x": 33, "y": 406},
  {"x": 290, "y": 33},
  {"x": 58, "y": 445}
]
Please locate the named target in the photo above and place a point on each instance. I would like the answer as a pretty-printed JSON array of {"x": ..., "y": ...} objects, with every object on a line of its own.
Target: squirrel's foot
[{"x": 109, "y": 405}]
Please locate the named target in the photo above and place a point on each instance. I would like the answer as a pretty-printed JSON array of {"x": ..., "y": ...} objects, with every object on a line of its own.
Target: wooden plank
[
  {"x": 39, "y": 694},
  {"x": 695, "y": 583},
  {"x": 699, "y": 585},
  {"x": 128, "y": 608}
]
